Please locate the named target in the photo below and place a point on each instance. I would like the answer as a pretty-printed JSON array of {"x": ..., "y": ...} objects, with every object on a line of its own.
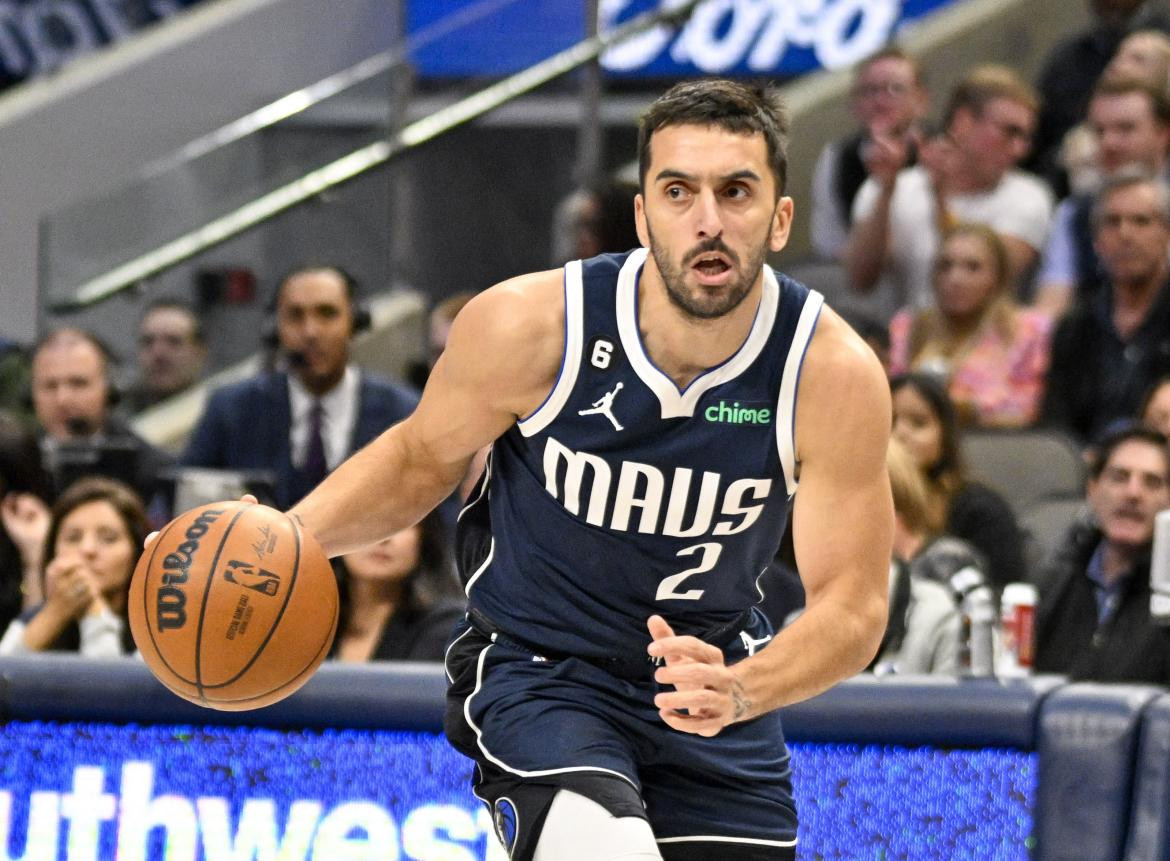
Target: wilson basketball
[{"x": 233, "y": 606}]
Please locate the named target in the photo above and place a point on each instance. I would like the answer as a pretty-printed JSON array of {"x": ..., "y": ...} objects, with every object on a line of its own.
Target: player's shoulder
[{"x": 839, "y": 364}]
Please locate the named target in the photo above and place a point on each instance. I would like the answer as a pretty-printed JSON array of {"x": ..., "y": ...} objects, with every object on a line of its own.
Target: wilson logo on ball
[
  {"x": 251, "y": 577},
  {"x": 171, "y": 601}
]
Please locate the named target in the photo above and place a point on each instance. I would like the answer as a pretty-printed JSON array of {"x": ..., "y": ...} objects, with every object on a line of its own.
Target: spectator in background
[
  {"x": 967, "y": 174},
  {"x": 888, "y": 99},
  {"x": 992, "y": 353},
  {"x": 1130, "y": 122},
  {"x": 1073, "y": 67},
  {"x": 1093, "y": 618},
  {"x": 1108, "y": 350},
  {"x": 923, "y": 631},
  {"x": 24, "y": 517},
  {"x": 301, "y": 422},
  {"x": 171, "y": 353},
  {"x": 1155, "y": 409},
  {"x": 73, "y": 397},
  {"x": 1143, "y": 55},
  {"x": 14, "y": 380},
  {"x": 925, "y": 423},
  {"x": 594, "y": 221},
  {"x": 94, "y": 540},
  {"x": 400, "y": 597},
  {"x": 438, "y": 328}
]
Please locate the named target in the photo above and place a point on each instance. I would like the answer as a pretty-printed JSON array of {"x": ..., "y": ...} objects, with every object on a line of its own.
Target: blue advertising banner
[
  {"x": 777, "y": 38},
  {"x": 99, "y": 792}
]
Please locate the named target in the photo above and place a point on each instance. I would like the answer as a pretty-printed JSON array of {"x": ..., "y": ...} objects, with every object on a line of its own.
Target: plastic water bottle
[{"x": 977, "y": 653}]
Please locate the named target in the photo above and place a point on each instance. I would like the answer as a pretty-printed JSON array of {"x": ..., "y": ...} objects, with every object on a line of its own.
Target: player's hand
[
  {"x": 704, "y": 686},
  {"x": 247, "y": 497}
]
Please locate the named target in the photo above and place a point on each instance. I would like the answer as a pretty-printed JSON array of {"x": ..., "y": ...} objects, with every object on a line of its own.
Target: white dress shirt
[{"x": 339, "y": 409}]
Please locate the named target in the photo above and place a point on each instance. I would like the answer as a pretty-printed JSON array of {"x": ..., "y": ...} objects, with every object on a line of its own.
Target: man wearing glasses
[
  {"x": 966, "y": 174},
  {"x": 171, "y": 353}
]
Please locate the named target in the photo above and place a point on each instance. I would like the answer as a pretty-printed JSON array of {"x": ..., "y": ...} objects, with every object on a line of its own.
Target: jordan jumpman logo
[{"x": 604, "y": 405}]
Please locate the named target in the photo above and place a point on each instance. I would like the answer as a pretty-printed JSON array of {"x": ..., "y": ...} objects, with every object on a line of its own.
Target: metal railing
[{"x": 313, "y": 183}]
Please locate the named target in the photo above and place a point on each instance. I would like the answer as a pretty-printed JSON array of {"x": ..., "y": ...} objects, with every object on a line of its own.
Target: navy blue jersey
[{"x": 622, "y": 496}]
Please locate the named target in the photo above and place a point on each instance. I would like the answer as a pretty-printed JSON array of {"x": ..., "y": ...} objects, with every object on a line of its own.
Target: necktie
[{"x": 315, "y": 466}]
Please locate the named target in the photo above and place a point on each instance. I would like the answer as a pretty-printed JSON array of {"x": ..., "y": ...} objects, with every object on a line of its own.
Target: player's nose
[{"x": 708, "y": 217}]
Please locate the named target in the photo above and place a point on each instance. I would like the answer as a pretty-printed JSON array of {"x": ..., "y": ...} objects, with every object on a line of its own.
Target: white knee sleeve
[{"x": 579, "y": 829}]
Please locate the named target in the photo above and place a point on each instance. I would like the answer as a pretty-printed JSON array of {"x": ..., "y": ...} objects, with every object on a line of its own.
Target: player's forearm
[
  {"x": 832, "y": 640},
  {"x": 380, "y": 490}
]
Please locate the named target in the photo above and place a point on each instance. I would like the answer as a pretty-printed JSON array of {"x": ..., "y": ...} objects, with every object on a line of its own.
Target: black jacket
[{"x": 1128, "y": 647}]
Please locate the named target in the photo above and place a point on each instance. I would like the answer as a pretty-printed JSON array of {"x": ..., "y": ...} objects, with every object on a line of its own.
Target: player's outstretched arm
[
  {"x": 501, "y": 360},
  {"x": 843, "y": 531}
]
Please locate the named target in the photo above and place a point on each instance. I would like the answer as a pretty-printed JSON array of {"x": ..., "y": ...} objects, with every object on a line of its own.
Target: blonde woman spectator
[
  {"x": 1144, "y": 55},
  {"x": 923, "y": 632},
  {"x": 992, "y": 352},
  {"x": 94, "y": 541}
]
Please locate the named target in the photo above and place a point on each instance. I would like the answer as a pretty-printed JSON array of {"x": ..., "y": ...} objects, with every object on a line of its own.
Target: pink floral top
[{"x": 1001, "y": 383}]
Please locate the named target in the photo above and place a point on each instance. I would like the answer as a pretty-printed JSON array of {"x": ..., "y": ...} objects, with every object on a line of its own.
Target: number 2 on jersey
[{"x": 668, "y": 588}]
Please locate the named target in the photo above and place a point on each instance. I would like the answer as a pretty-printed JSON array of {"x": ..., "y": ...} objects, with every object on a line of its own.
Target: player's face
[
  {"x": 96, "y": 534},
  {"x": 965, "y": 278},
  {"x": 709, "y": 215},
  {"x": 917, "y": 427},
  {"x": 1131, "y": 489},
  {"x": 1157, "y": 414},
  {"x": 314, "y": 321},
  {"x": 70, "y": 390},
  {"x": 389, "y": 561}
]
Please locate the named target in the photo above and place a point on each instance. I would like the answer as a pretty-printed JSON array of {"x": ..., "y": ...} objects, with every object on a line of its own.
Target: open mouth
[{"x": 711, "y": 266}]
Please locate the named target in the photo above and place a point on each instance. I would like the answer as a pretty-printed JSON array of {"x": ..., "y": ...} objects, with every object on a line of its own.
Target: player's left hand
[{"x": 704, "y": 685}]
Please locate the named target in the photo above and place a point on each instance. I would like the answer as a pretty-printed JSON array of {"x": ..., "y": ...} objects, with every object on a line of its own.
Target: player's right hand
[{"x": 247, "y": 497}]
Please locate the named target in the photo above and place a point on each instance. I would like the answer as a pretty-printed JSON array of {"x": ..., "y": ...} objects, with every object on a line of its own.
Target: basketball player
[{"x": 650, "y": 415}]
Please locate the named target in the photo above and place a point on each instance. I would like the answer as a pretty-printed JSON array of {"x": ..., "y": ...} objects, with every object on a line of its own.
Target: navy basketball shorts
[{"x": 535, "y": 725}]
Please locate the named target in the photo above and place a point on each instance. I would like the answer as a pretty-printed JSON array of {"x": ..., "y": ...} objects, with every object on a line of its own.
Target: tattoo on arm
[{"x": 741, "y": 705}]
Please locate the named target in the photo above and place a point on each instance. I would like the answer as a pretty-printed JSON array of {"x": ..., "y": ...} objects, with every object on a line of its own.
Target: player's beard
[{"x": 699, "y": 302}]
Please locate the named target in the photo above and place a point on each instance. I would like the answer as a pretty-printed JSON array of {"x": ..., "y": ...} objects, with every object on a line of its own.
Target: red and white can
[{"x": 1018, "y": 629}]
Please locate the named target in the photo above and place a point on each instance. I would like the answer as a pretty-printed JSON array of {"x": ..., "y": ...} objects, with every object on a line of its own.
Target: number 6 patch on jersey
[{"x": 603, "y": 353}]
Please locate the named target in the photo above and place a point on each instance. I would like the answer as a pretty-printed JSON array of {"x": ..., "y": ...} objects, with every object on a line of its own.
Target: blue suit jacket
[{"x": 246, "y": 426}]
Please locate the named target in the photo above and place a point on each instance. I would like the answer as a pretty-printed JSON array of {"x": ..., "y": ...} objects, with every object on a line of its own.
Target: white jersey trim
[
  {"x": 499, "y": 762},
  {"x": 790, "y": 382},
  {"x": 483, "y": 566},
  {"x": 705, "y": 839},
  {"x": 675, "y": 403},
  {"x": 544, "y": 415}
]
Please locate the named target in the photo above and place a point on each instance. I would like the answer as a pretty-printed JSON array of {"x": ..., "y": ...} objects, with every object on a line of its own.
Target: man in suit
[
  {"x": 73, "y": 397},
  {"x": 301, "y": 421}
]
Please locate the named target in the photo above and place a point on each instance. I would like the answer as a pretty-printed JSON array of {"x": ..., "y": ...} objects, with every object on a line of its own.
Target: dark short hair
[
  {"x": 1127, "y": 177},
  {"x": 729, "y": 105},
  {"x": 1131, "y": 432},
  {"x": 176, "y": 305},
  {"x": 351, "y": 284}
]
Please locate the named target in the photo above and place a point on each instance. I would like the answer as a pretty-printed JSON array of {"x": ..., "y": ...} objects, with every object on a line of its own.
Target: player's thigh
[{"x": 724, "y": 797}]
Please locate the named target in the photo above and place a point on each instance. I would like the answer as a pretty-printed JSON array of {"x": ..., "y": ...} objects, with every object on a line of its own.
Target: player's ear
[
  {"x": 781, "y": 224},
  {"x": 640, "y": 220}
]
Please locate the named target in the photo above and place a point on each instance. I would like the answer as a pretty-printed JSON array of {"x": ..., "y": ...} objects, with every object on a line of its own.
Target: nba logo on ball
[
  {"x": 233, "y": 606},
  {"x": 250, "y": 577}
]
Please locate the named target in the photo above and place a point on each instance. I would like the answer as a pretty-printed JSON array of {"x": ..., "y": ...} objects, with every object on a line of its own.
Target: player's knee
[{"x": 579, "y": 829}]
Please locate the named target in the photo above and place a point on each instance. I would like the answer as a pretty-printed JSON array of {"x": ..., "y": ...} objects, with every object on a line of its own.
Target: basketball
[{"x": 233, "y": 606}]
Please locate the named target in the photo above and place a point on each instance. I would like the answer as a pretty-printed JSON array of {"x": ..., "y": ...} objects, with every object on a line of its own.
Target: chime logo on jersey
[
  {"x": 643, "y": 498},
  {"x": 735, "y": 413}
]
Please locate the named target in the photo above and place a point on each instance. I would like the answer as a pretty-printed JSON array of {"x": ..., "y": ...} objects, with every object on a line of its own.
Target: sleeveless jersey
[{"x": 622, "y": 496}]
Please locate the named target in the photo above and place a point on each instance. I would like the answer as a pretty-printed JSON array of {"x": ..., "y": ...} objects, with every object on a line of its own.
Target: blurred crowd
[{"x": 1009, "y": 262}]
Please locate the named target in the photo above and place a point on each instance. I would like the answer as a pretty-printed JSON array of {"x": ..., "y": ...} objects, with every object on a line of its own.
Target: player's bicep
[{"x": 843, "y": 514}]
